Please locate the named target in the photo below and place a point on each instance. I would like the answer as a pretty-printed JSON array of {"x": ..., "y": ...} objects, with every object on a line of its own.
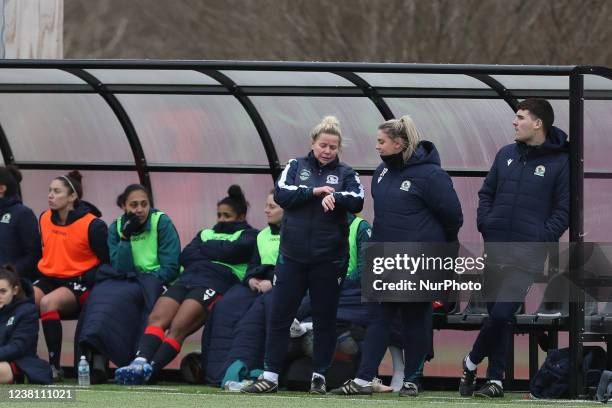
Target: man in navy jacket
[{"x": 524, "y": 199}]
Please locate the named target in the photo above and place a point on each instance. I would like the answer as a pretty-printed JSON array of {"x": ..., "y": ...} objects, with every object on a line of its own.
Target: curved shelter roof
[{"x": 188, "y": 129}]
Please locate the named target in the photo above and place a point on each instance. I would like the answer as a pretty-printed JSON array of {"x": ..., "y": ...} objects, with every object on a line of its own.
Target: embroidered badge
[
  {"x": 509, "y": 162},
  {"x": 6, "y": 218},
  {"x": 331, "y": 179},
  {"x": 304, "y": 174},
  {"x": 10, "y": 321},
  {"x": 405, "y": 185},
  {"x": 382, "y": 174},
  {"x": 540, "y": 170}
]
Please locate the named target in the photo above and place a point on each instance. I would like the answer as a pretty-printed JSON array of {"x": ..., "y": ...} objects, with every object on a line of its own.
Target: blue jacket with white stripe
[{"x": 309, "y": 234}]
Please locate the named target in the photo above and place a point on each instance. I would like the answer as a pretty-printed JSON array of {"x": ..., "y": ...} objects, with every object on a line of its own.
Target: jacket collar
[
  {"x": 315, "y": 163},
  {"x": 274, "y": 228},
  {"x": 6, "y": 202},
  {"x": 230, "y": 227},
  {"x": 82, "y": 208}
]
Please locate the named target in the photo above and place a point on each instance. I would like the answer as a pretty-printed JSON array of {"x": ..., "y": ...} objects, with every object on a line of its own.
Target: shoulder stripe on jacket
[
  {"x": 361, "y": 193},
  {"x": 282, "y": 181}
]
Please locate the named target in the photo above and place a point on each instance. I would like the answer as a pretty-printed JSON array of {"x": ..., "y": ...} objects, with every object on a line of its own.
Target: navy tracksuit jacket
[
  {"x": 308, "y": 233},
  {"x": 313, "y": 254}
]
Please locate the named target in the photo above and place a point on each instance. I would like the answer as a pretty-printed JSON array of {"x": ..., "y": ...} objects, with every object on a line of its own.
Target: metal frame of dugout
[{"x": 576, "y": 96}]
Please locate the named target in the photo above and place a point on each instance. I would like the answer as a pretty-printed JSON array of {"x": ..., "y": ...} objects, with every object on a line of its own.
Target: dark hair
[
  {"x": 235, "y": 199},
  {"x": 72, "y": 181},
  {"x": 9, "y": 273},
  {"x": 122, "y": 198},
  {"x": 540, "y": 109},
  {"x": 10, "y": 176}
]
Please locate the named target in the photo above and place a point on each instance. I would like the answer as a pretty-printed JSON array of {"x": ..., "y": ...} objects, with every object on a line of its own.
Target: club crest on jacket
[{"x": 332, "y": 179}]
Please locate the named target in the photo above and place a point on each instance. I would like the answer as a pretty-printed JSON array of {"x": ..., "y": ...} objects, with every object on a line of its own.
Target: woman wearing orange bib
[{"x": 74, "y": 244}]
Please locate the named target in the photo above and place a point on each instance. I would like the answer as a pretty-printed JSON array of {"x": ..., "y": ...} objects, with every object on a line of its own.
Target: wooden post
[{"x": 31, "y": 29}]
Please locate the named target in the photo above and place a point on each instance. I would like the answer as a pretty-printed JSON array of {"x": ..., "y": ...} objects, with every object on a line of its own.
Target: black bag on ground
[{"x": 552, "y": 379}]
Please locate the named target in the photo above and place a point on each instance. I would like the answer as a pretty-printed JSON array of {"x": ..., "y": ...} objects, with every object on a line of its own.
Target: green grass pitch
[{"x": 183, "y": 396}]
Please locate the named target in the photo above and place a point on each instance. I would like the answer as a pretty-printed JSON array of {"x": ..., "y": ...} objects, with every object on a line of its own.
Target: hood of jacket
[
  {"x": 6, "y": 202},
  {"x": 556, "y": 142},
  {"x": 425, "y": 153}
]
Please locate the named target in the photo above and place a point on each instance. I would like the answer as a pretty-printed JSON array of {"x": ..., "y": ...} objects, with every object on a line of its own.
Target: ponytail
[{"x": 404, "y": 129}]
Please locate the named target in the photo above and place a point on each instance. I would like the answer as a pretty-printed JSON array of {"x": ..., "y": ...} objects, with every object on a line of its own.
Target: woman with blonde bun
[{"x": 316, "y": 192}]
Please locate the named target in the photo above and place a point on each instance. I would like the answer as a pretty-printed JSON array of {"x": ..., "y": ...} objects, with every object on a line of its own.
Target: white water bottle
[{"x": 84, "y": 372}]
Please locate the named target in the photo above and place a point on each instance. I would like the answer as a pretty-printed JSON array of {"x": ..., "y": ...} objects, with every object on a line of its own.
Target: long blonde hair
[
  {"x": 404, "y": 129},
  {"x": 330, "y": 125}
]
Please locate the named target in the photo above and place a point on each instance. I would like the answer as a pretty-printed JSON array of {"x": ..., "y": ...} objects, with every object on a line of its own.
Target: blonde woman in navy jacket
[
  {"x": 414, "y": 201},
  {"x": 315, "y": 192}
]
